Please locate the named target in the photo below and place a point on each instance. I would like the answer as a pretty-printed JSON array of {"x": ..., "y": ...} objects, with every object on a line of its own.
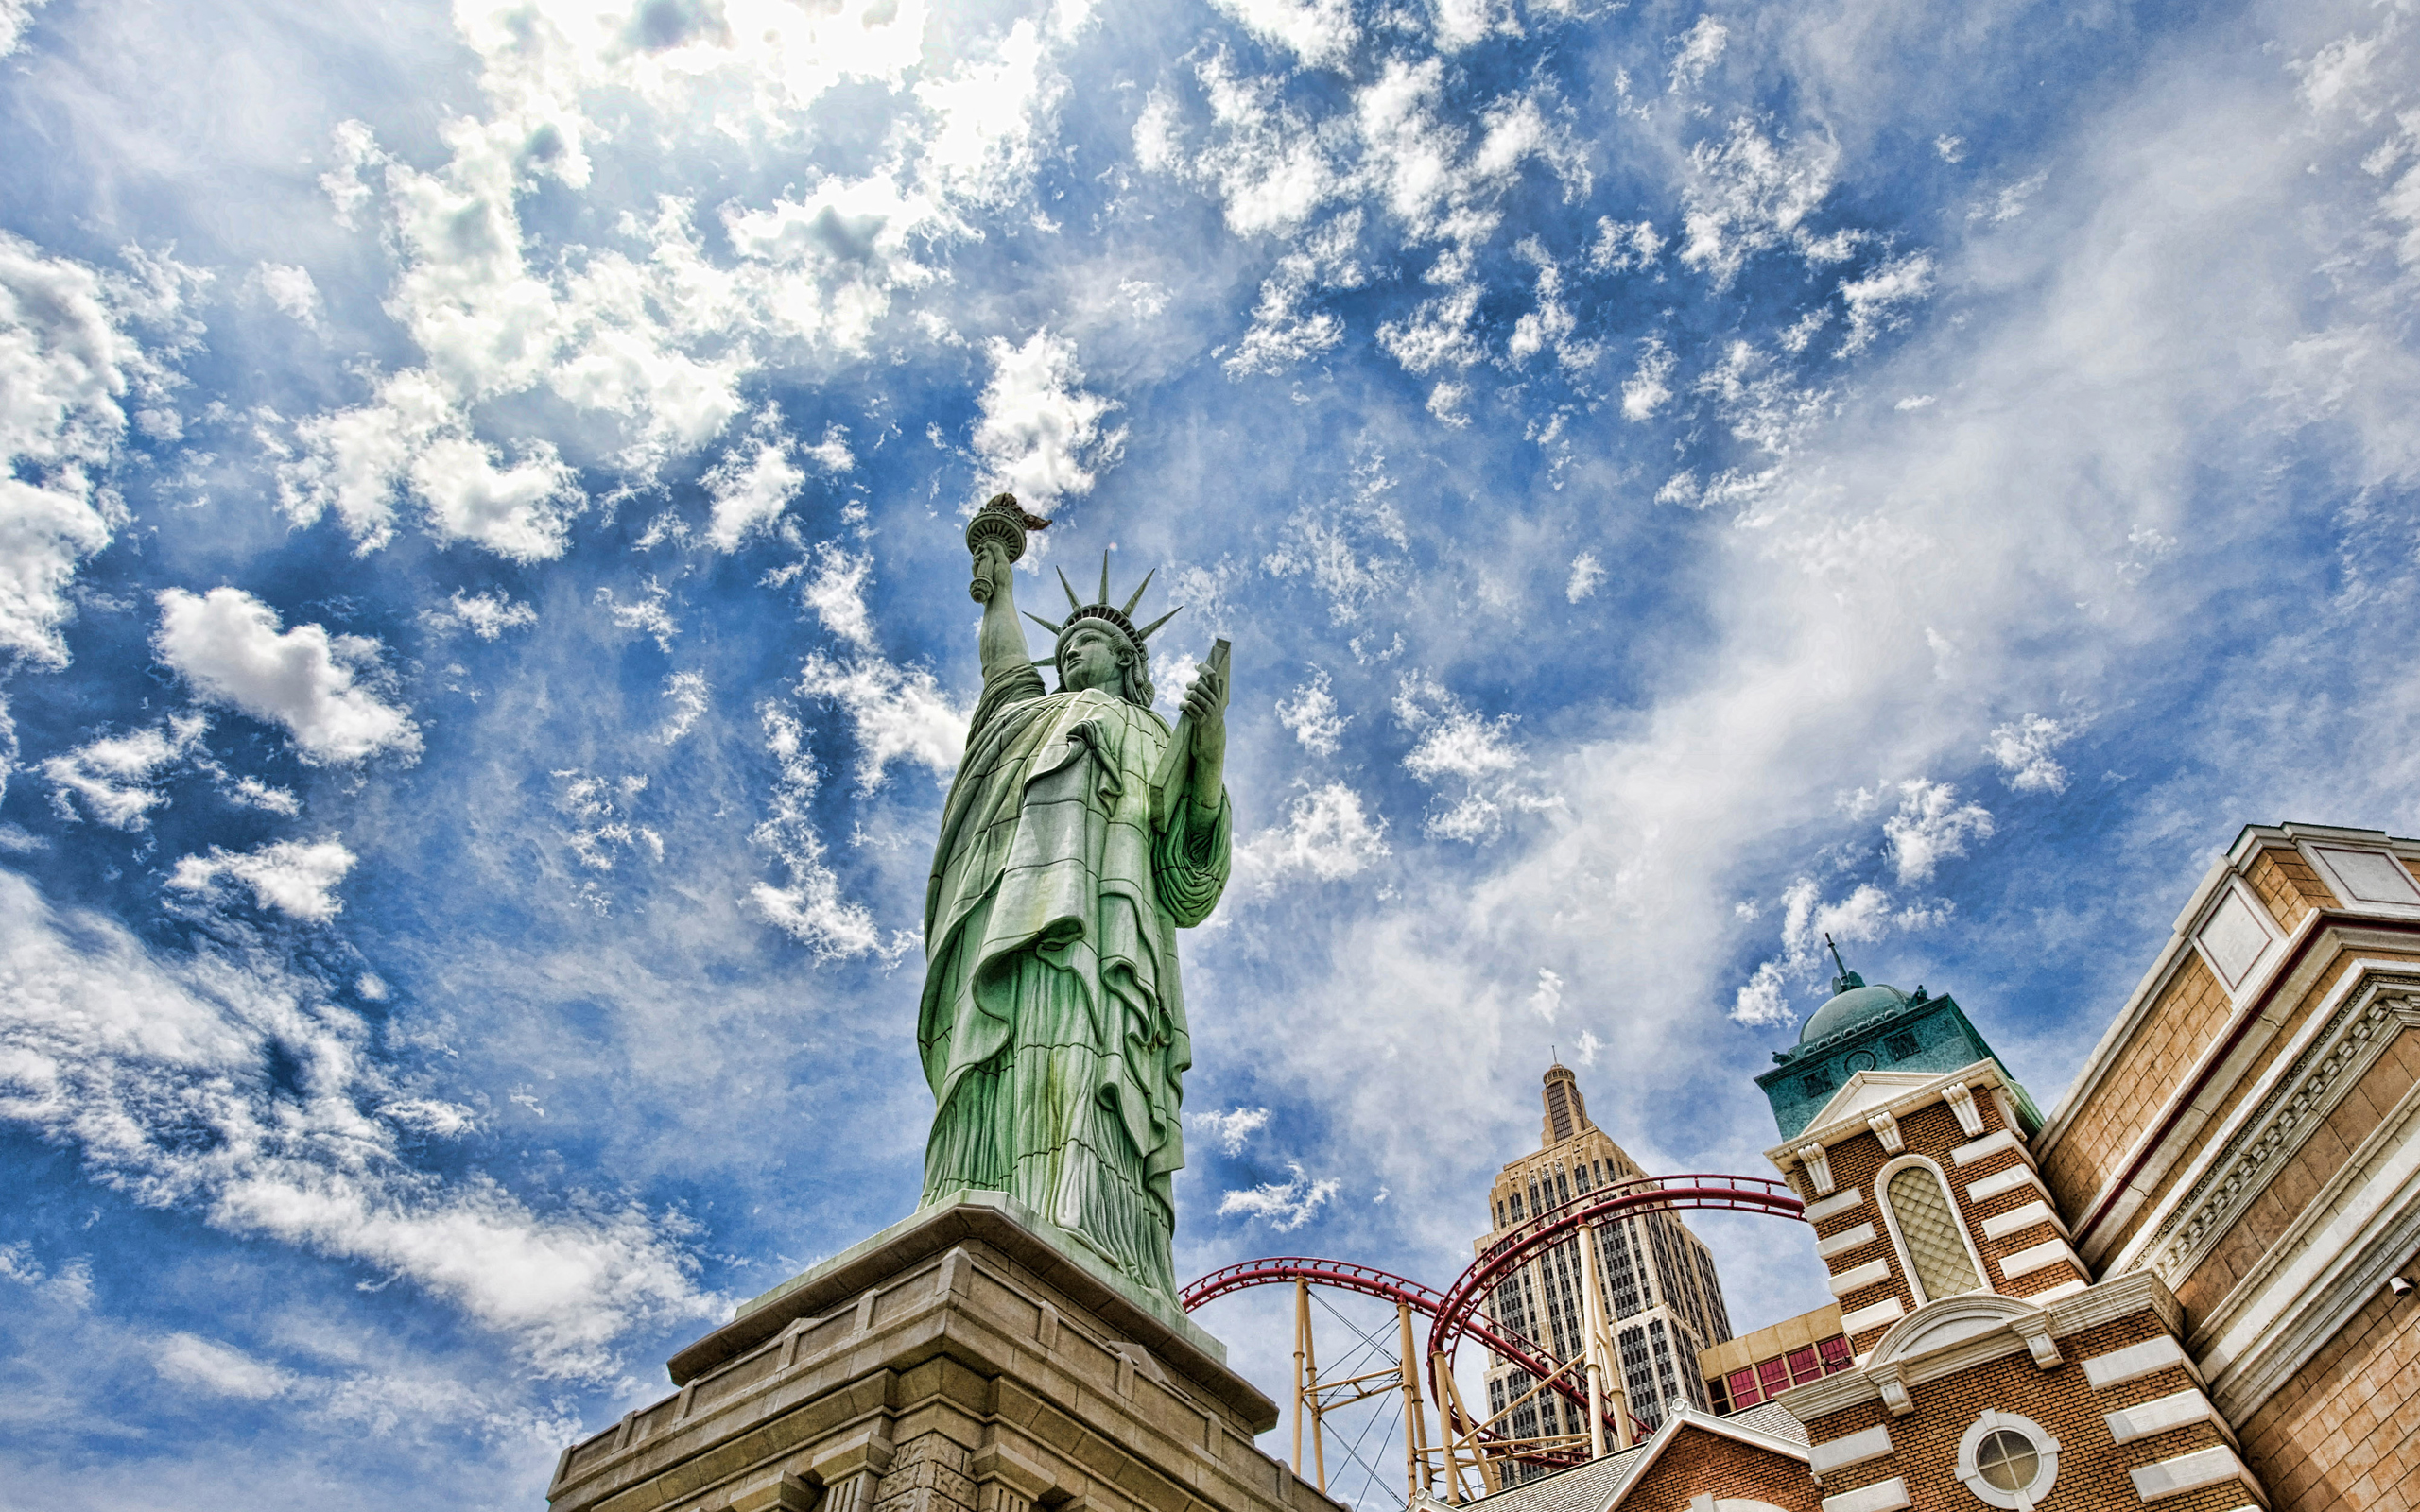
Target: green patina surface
[{"x": 1052, "y": 1022}]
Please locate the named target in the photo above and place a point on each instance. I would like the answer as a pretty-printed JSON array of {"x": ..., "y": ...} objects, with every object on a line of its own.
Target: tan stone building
[
  {"x": 2188, "y": 1286},
  {"x": 1656, "y": 1282}
]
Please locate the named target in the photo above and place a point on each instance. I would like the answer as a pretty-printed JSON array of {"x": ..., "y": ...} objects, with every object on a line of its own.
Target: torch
[{"x": 1000, "y": 520}]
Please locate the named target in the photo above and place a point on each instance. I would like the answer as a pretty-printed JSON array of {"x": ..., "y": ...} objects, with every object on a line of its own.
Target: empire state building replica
[{"x": 1657, "y": 1286}]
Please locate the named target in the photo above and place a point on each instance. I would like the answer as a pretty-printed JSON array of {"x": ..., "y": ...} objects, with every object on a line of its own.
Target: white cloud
[
  {"x": 1454, "y": 739},
  {"x": 1311, "y": 716},
  {"x": 989, "y": 118},
  {"x": 427, "y": 1115},
  {"x": 1328, "y": 836},
  {"x": 2010, "y": 201},
  {"x": 157, "y": 1072},
  {"x": 1551, "y": 324},
  {"x": 1352, "y": 550},
  {"x": 251, "y": 792},
  {"x": 111, "y": 779},
  {"x": 1476, "y": 755},
  {"x": 297, "y": 878},
  {"x": 1621, "y": 245},
  {"x": 1586, "y": 573},
  {"x": 289, "y": 288},
  {"x": 1445, "y": 402},
  {"x": 1285, "y": 1205},
  {"x": 836, "y": 592},
  {"x": 190, "y": 1360},
  {"x": 1039, "y": 435},
  {"x": 1232, "y": 1127},
  {"x": 1763, "y": 998},
  {"x": 1931, "y": 826},
  {"x": 1649, "y": 389},
  {"x": 1547, "y": 1000},
  {"x": 416, "y": 436},
  {"x": 1319, "y": 32},
  {"x": 898, "y": 714},
  {"x": 1700, "y": 49},
  {"x": 1271, "y": 166},
  {"x": 1284, "y": 330},
  {"x": 1877, "y": 302},
  {"x": 645, "y": 614},
  {"x": 485, "y": 615},
  {"x": 2021, "y": 748},
  {"x": 602, "y": 832},
  {"x": 1747, "y": 192},
  {"x": 1951, "y": 148},
  {"x": 228, "y": 645},
  {"x": 66, "y": 366},
  {"x": 811, "y": 909},
  {"x": 687, "y": 694},
  {"x": 751, "y": 487},
  {"x": 15, "y": 16}
]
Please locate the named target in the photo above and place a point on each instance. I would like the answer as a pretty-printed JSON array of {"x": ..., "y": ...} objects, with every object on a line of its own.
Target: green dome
[{"x": 1850, "y": 1009}]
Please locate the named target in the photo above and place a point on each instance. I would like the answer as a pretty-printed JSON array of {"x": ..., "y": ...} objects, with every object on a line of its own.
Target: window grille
[{"x": 1928, "y": 1226}]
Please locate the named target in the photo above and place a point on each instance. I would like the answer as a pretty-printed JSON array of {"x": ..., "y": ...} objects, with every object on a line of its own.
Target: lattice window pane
[{"x": 1930, "y": 1226}]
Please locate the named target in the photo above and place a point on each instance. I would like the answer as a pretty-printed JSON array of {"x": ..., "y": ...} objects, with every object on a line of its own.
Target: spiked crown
[{"x": 1117, "y": 617}]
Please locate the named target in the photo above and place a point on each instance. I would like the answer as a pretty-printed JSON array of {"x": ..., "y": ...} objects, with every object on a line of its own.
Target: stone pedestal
[{"x": 968, "y": 1360}]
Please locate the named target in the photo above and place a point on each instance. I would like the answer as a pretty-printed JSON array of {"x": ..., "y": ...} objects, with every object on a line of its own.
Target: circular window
[{"x": 2007, "y": 1460}]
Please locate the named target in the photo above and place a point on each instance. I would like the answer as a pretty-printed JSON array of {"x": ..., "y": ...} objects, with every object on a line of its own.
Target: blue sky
[{"x": 485, "y": 631}]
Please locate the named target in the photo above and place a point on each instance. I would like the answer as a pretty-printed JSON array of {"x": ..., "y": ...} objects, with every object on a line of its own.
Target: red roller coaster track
[{"x": 1455, "y": 1314}]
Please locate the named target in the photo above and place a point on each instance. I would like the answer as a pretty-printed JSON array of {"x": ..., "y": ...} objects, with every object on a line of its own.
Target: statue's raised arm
[{"x": 1079, "y": 836}]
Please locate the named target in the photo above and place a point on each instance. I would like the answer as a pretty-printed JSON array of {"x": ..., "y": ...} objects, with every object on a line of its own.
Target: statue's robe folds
[{"x": 1052, "y": 1024}]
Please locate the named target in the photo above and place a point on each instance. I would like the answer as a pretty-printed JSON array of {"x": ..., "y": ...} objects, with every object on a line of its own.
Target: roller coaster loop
[{"x": 1455, "y": 1314}]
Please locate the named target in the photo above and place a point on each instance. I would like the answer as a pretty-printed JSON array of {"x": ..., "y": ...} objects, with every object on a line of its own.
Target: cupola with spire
[{"x": 1872, "y": 1027}]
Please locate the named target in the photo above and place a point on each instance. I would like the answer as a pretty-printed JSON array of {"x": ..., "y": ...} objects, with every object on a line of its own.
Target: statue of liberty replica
[{"x": 1080, "y": 835}]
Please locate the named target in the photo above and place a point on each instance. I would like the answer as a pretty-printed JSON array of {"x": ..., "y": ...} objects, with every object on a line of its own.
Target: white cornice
[
  {"x": 2336, "y": 1254},
  {"x": 1687, "y": 1416},
  {"x": 2237, "y": 861},
  {"x": 2336, "y": 1045},
  {"x": 1853, "y": 1112},
  {"x": 2313, "y": 948},
  {"x": 2121, "y": 1297}
]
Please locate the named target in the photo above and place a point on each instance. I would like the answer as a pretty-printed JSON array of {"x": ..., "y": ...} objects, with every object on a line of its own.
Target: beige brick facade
[
  {"x": 2345, "y": 1432},
  {"x": 2180, "y": 1024},
  {"x": 2300, "y": 1178}
]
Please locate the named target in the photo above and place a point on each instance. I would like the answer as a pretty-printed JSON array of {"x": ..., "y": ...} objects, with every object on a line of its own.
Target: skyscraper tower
[{"x": 1661, "y": 1297}]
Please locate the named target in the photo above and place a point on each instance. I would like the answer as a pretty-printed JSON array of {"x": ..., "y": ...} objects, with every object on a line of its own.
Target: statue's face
[{"x": 1090, "y": 660}]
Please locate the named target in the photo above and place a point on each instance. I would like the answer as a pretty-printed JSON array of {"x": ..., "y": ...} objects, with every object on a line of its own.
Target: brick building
[{"x": 2188, "y": 1286}]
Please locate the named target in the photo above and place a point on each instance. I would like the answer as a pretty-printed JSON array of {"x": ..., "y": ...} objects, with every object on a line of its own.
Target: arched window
[{"x": 1940, "y": 1261}]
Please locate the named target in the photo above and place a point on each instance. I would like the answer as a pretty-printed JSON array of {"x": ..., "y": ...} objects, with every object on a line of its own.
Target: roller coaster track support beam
[{"x": 1415, "y": 1433}]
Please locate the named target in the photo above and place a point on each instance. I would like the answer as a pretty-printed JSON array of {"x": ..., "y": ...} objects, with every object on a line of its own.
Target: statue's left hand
[{"x": 1206, "y": 703}]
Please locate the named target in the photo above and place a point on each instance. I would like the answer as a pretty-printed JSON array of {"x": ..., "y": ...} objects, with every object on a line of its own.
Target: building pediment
[
  {"x": 1866, "y": 1090},
  {"x": 1950, "y": 1321}
]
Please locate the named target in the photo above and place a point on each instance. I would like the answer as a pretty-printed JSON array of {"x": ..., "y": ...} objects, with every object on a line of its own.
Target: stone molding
[
  {"x": 984, "y": 1217},
  {"x": 1850, "y": 1448},
  {"x": 2296, "y": 1298},
  {"x": 1807, "y": 1147},
  {"x": 2240, "y": 859},
  {"x": 2173, "y": 1135},
  {"x": 969, "y": 1379},
  {"x": 2003, "y": 1326},
  {"x": 2296, "y": 1097},
  {"x": 2214, "y": 1465}
]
